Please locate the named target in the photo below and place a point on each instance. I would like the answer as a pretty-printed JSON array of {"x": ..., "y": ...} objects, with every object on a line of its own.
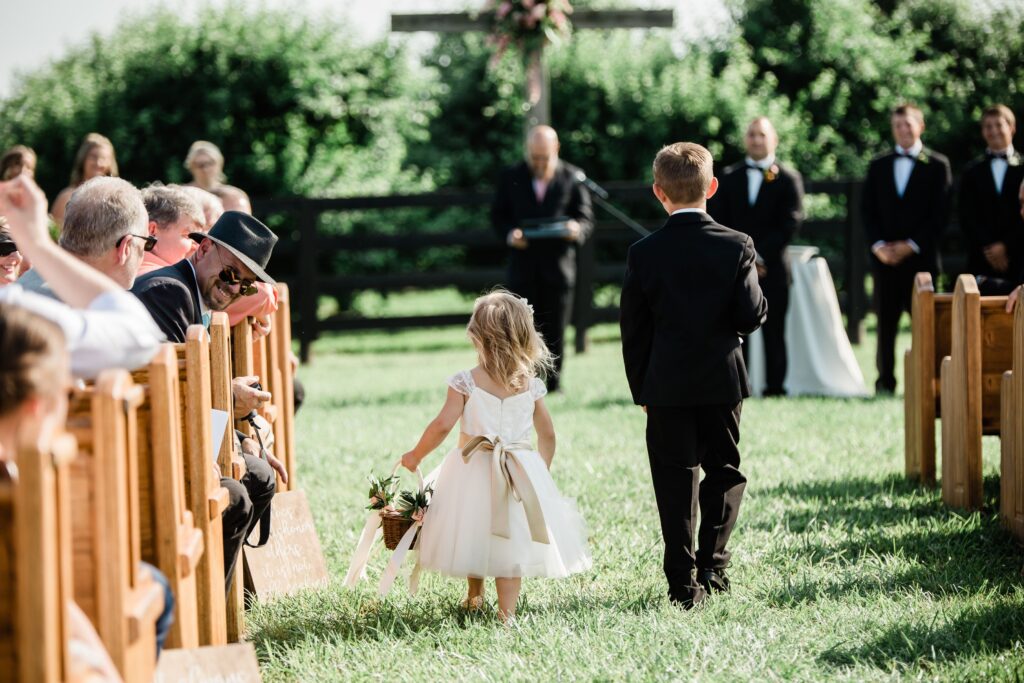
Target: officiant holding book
[{"x": 542, "y": 211}]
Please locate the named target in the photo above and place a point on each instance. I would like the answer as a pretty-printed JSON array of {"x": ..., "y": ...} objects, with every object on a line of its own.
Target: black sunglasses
[
  {"x": 150, "y": 241},
  {"x": 7, "y": 248},
  {"x": 229, "y": 276}
]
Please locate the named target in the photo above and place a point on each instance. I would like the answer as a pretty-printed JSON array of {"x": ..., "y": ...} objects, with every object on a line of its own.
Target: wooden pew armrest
[
  {"x": 237, "y": 467},
  {"x": 218, "y": 502},
  {"x": 191, "y": 544},
  {"x": 147, "y": 602}
]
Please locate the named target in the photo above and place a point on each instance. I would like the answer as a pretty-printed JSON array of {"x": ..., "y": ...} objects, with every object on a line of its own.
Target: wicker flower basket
[{"x": 394, "y": 526}]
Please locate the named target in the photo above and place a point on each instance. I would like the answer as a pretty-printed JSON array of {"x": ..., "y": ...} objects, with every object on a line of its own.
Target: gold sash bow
[{"x": 509, "y": 477}]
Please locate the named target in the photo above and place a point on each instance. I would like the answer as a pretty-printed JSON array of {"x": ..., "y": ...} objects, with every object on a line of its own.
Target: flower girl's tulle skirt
[{"x": 456, "y": 536}]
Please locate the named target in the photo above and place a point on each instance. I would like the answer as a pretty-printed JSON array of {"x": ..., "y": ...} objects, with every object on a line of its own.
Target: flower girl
[{"x": 495, "y": 510}]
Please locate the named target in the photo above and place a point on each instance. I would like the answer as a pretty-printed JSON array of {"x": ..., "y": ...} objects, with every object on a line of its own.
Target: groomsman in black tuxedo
[
  {"x": 543, "y": 271},
  {"x": 905, "y": 202},
  {"x": 764, "y": 199},
  {"x": 989, "y": 208},
  {"x": 690, "y": 292}
]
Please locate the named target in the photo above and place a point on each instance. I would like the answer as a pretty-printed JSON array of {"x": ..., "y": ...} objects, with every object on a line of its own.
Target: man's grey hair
[
  {"x": 100, "y": 212},
  {"x": 166, "y": 204}
]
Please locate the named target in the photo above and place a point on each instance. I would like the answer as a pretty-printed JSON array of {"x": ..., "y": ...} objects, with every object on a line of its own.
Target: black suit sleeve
[
  {"x": 581, "y": 209},
  {"x": 791, "y": 216},
  {"x": 636, "y": 322},
  {"x": 869, "y": 205},
  {"x": 976, "y": 231},
  {"x": 749, "y": 307},
  {"x": 930, "y": 231},
  {"x": 169, "y": 303},
  {"x": 503, "y": 217}
]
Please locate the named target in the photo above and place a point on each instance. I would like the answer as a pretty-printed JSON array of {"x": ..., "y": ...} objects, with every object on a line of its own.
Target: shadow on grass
[
  {"x": 968, "y": 632},
  {"x": 391, "y": 399},
  {"x": 891, "y": 521}
]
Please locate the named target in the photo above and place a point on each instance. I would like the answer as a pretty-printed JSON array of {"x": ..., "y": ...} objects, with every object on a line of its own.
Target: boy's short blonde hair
[{"x": 684, "y": 171}]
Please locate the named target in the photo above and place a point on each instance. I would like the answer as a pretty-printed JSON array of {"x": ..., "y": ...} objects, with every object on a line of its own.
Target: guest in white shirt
[{"x": 104, "y": 325}]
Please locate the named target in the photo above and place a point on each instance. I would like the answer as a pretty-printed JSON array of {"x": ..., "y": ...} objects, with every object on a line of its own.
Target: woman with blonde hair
[
  {"x": 495, "y": 510},
  {"x": 95, "y": 158},
  {"x": 206, "y": 164}
]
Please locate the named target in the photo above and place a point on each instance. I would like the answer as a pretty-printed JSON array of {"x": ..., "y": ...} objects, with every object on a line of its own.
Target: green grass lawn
[{"x": 842, "y": 570}]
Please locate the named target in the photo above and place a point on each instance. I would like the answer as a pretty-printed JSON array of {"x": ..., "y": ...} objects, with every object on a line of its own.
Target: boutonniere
[
  {"x": 1014, "y": 159},
  {"x": 922, "y": 157},
  {"x": 771, "y": 173}
]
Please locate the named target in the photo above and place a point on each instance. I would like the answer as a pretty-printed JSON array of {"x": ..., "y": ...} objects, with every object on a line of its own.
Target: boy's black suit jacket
[
  {"x": 689, "y": 294},
  {"x": 775, "y": 216},
  {"x": 920, "y": 214},
  {"x": 987, "y": 217},
  {"x": 550, "y": 262},
  {"x": 170, "y": 295}
]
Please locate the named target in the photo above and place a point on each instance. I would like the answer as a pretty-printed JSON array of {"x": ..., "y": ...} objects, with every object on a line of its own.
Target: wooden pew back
[
  {"x": 1011, "y": 480},
  {"x": 282, "y": 384},
  {"x": 971, "y": 378},
  {"x": 931, "y": 337},
  {"x": 122, "y": 601},
  {"x": 35, "y": 563}
]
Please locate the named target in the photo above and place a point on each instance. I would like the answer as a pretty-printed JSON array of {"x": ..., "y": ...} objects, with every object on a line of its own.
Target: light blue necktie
[{"x": 206, "y": 320}]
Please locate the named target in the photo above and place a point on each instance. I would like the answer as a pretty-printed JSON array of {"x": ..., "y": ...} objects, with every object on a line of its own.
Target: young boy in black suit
[{"x": 690, "y": 293}]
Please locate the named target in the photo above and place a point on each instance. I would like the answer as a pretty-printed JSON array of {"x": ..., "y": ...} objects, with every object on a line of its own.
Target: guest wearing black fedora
[{"x": 230, "y": 259}]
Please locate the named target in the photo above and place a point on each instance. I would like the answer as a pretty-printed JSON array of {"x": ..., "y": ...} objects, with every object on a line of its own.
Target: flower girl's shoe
[{"x": 474, "y": 604}]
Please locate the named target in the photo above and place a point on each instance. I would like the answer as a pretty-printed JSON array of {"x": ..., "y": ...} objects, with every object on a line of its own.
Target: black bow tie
[
  {"x": 995, "y": 155},
  {"x": 755, "y": 167},
  {"x": 906, "y": 155}
]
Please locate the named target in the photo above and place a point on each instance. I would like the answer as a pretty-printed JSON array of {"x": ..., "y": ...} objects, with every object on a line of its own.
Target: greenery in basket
[
  {"x": 414, "y": 504},
  {"x": 382, "y": 493}
]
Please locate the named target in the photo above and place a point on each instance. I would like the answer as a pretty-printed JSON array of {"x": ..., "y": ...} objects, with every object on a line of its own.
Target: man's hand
[
  {"x": 516, "y": 240},
  {"x": 1011, "y": 300},
  {"x": 995, "y": 254},
  {"x": 901, "y": 251},
  {"x": 575, "y": 231},
  {"x": 410, "y": 461},
  {"x": 260, "y": 326},
  {"x": 247, "y": 398},
  {"x": 762, "y": 270},
  {"x": 884, "y": 254},
  {"x": 250, "y": 447},
  {"x": 278, "y": 467},
  {"x": 24, "y": 205}
]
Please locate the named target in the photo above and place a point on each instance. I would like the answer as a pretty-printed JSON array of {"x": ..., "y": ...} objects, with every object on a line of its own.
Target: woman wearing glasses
[
  {"x": 206, "y": 164},
  {"x": 10, "y": 258}
]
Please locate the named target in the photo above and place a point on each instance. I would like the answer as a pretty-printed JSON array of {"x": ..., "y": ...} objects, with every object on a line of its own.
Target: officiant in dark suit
[
  {"x": 543, "y": 270},
  {"x": 905, "y": 205},
  {"x": 989, "y": 208},
  {"x": 690, "y": 291},
  {"x": 764, "y": 199}
]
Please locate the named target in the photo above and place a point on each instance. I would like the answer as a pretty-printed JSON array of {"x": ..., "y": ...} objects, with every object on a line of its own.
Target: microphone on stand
[
  {"x": 591, "y": 185},
  {"x": 602, "y": 199}
]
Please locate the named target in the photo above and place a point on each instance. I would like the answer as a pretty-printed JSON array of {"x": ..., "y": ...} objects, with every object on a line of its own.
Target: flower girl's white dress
[{"x": 473, "y": 492}]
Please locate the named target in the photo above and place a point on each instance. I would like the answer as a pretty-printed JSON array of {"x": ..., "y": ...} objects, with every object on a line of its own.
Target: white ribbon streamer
[
  {"x": 361, "y": 558},
  {"x": 391, "y": 573}
]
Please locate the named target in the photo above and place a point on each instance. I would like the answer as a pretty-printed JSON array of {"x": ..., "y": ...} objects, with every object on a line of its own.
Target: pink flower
[
  {"x": 503, "y": 10},
  {"x": 559, "y": 19},
  {"x": 528, "y": 20},
  {"x": 527, "y": 4},
  {"x": 388, "y": 508},
  {"x": 418, "y": 516},
  {"x": 374, "y": 500},
  {"x": 539, "y": 12}
]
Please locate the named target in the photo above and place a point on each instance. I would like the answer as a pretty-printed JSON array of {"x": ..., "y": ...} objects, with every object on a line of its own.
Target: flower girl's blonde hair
[{"x": 511, "y": 350}]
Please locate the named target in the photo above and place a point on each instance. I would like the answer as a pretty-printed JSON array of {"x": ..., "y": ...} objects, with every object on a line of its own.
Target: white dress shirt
[
  {"x": 755, "y": 176},
  {"x": 903, "y": 166},
  {"x": 999, "y": 167},
  {"x": 115, "y": 331},
  {"x": 691, "y": 210}
]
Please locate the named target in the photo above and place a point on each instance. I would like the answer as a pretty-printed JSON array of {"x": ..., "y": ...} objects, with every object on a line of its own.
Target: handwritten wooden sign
[
  {"x": 216, "y": 664},
  {"x": 292, "y": 559}
]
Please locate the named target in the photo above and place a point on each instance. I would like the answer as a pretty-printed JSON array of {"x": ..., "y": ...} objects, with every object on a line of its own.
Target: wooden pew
[
  {"x": 282, "y": 384},
  {"x": 931, "y": 326},
  {"x": 231, "y": 463},
  {"x": 122, "y": 600},
  {"x": 35, "y": 564},
  {"x": 170, "y": 539},
  {"x": 971, "y": 381},
  {"x": 207, "y": 499},
  {"x": 1011, "y": 477}
]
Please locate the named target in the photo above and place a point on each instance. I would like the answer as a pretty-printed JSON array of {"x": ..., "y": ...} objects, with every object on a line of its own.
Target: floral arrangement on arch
[{"x": 528, "y": 25}]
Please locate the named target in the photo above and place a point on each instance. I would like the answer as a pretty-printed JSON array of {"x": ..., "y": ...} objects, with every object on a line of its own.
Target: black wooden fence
[{"x": 299, "y": 256}]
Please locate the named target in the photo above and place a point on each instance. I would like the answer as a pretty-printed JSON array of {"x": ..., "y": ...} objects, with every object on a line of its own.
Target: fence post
[
  {"x": 583, "y": 297},
  {"x": 856, "y": 296},
  {"x": 308, "y": 292}
]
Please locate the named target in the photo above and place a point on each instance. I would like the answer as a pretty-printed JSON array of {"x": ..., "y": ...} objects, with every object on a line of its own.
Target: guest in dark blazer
[
  {"x": 906, "y": 204},
  {"x": 690, "y": 293},
  {"x": 764, "y": 199},
  {"x": 989, "y": 208},
  {"x": 229, "y": 260},
  {"x": 543, "y": 271}
]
